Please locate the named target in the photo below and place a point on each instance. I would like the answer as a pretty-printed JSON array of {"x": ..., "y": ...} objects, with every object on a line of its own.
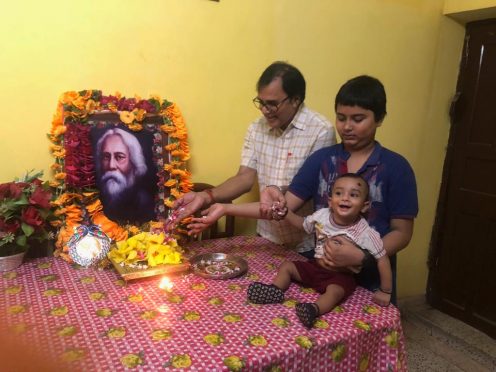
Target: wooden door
[{"x": 462, "y": 275}]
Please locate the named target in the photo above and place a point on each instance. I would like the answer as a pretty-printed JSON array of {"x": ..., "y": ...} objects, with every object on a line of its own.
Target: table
[{"x": 91, "y": 320}]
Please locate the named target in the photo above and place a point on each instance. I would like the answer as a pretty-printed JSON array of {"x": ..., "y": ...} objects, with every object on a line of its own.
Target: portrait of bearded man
[{"x": 126, "y": 182}]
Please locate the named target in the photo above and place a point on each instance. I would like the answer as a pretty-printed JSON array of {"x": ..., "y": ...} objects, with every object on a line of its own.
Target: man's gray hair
[{"x": 132, "y": 143}]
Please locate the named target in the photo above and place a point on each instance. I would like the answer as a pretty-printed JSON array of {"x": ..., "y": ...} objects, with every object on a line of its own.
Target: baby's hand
[
  {"x": 381, "y": 298},
  {"x": 279, "y": 211}
]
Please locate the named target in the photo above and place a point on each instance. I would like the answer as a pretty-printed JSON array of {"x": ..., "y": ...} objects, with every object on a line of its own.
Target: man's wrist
[
  {"x": 210, "y": 195},
  {"x": 274, "y": 186}
]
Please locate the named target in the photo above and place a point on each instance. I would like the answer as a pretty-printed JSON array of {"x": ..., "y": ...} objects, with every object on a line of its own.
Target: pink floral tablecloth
[{"x": 91, "y": 320}]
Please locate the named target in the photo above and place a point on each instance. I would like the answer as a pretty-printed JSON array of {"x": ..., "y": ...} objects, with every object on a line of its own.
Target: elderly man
[
  {"x": 275, "y": 147},
  {"x": 120, "y": 170}
]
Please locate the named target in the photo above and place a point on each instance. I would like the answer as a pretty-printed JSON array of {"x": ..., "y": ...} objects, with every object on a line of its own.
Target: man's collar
[{"x": 296, "y": 122}]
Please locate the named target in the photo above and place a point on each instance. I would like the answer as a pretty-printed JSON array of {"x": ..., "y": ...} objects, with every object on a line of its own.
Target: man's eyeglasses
[{"x": 270, "y": 106}]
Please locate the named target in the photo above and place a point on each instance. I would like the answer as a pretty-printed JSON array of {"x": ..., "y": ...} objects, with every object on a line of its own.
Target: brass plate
[
  {"x": 129, "y": 273},
  {"x": 218, "y": 265}
]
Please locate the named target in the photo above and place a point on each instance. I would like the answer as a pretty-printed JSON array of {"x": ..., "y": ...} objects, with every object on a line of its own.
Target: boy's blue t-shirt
[{"x": 393, "y": 190}]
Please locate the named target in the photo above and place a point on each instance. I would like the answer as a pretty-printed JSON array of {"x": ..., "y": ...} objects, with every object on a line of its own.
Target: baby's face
[{"x": 348, "y": 199}]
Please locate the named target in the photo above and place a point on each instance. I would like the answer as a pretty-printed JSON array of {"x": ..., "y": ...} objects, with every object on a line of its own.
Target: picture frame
[{"x": 87, "y": 122}]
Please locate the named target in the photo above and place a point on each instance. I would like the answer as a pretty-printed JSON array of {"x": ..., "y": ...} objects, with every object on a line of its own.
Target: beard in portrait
[{"x": 127, "y": 184}]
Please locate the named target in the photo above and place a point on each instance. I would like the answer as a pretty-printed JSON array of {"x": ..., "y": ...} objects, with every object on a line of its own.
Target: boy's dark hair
[
  {"x": 293, "y": 82},
  {"x": 356, "y": 177},
  {"x": 364, "y": 91}
]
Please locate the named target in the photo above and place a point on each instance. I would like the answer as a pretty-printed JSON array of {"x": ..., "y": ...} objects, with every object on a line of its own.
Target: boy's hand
[
  {"x": 268, "y": 197},
  {"x": 381, "y": 298},
  {"x": 341, "y": 252},
  {"x": 210, "y": 215}
]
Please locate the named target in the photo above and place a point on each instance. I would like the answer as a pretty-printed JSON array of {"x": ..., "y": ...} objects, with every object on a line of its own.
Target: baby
[{"x": 348, "y": 201}]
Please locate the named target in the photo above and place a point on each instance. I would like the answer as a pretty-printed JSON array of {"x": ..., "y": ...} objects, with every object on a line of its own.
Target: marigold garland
[{"x": 73, "y": 168}]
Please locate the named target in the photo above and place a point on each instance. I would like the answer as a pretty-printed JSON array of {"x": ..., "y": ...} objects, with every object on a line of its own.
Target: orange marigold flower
[
  {"x": 176, "y": 193},
  {"x": 171, "y": 182},
  {"x": 94, "y": 207},
  {"x": 56, "y": 223},
  {"x": 178, "y": 172},
  {"x": 126, "y": 117},
  {"x": 60, "y": 176},
  {"x": 177, "y": 153},
  {"x": 59, "y": 154},
  {"x": 167, "y": 128},
  {"x": 54, "y": 184},
  {"x": 156, "y": 225},
  {"x": 56, "y": 166},
  {"x": 68, "y": 97},
  {"x": 172, "y": 146}
]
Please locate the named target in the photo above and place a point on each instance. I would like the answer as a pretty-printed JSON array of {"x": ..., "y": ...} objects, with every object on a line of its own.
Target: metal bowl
[{"x": 218, "y": 265}]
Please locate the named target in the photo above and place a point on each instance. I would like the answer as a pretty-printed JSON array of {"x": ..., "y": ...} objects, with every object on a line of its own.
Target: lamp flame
[{"x": 165, "y": 284}]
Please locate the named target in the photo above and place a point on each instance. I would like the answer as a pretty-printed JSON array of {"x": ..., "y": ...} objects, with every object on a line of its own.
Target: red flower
[
  {"x": 4, "y": 188},
  {"x": 11, "y": 227},
  {"x": 15, "y": 189},
  {"x": 40, "y": 197},
  {"x": 31, "y": 216}
]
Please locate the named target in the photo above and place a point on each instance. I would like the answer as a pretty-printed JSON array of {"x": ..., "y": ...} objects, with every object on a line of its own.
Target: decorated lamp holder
[{"x": 88, "y": 245}]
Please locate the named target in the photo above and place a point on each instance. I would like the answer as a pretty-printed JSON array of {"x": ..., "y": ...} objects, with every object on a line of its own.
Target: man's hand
[
  {"x": 341, "y": 252},
  {"x": 210, "y": 215},
  {"x": 191, "y": 203},
  {"x": 269, "y": 197}
]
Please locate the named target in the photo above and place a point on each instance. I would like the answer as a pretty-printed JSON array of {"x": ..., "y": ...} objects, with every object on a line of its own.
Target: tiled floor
[{"x": 438, "y": 342}]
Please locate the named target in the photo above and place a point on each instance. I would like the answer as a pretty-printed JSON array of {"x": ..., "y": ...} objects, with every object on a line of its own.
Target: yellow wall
[{"x": 206, "y": 56}]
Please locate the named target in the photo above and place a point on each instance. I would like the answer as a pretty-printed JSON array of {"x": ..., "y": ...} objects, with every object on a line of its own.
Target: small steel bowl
[{"x": 218, "y": 265}]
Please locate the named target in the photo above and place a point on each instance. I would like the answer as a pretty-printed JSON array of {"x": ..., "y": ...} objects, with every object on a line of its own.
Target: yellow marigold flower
[
  {"x": 176, "y": 193},
  {"x": 171, "y": 182},
  {"x": 91, "y": 105},
  {"x": 59, "y": 130},
  {"x": 112, "y": 107},
  {"x": 169, "y": 203},
  {"x": 139, "y": 114},
  {"x": 134, "y": 230},
  {"x": 126, "y": 117},
  {"x": 135, "y": 127},
  {"x": 79, "y": 102},
  {"x": 60, "y": 176}
]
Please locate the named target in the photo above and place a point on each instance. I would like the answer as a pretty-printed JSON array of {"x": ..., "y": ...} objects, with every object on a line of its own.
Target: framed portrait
[{"x": 120, "y": 163}]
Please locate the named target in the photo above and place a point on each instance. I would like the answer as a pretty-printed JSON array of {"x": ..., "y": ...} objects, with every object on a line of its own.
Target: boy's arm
[
  {"x": 399, "y": 236},
  {"x": 383, "y": 295}
]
